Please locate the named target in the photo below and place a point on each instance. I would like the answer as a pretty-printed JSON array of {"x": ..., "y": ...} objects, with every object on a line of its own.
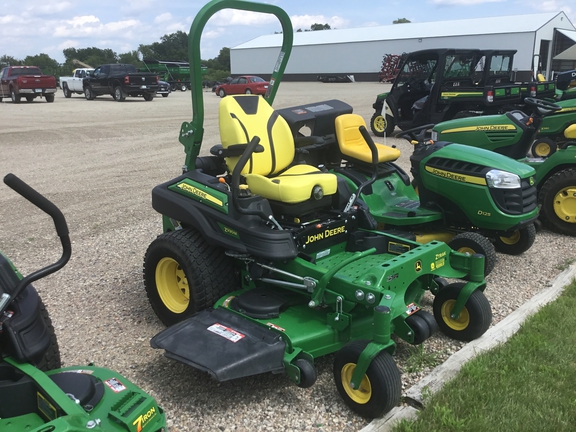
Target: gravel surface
[{"x": 98, "y": 161}]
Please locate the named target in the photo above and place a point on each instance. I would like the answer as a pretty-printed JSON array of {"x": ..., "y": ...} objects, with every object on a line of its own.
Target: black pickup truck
[{"x": 119, "y": 81}]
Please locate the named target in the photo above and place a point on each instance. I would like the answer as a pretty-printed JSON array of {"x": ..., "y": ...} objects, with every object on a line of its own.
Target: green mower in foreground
[
  {"x": 512, "y": 134},
  {"x": 260, "y": 269},
  {"x": 36, "y": 393}
]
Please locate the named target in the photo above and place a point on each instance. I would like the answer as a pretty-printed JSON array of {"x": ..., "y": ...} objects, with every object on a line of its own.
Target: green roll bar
[{"x": 191, "y": 134}]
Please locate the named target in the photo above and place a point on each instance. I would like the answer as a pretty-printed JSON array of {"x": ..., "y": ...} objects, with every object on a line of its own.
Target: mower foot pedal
[{"x": 224, "y": 344}]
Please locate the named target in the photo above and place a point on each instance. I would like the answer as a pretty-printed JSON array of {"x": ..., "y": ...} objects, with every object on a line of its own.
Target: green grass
[{"x": 527, "y": 384}]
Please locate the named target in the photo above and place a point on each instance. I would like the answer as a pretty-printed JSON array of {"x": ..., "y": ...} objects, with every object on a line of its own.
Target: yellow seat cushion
[
  {"x": 294, "y": 185},
  {"x": 352, "y": 144},
  {"x": 243, "y": 117}
]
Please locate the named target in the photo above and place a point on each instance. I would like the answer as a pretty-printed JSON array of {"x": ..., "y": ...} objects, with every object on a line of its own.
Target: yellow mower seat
[
  {"x": 243, "y": 117},
  {"x": 570, "y": 132},
  {"x": 352, "y": 144}
]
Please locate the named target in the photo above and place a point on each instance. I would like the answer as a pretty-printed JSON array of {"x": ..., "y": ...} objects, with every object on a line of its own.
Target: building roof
[{"x": 462, "y": 27}]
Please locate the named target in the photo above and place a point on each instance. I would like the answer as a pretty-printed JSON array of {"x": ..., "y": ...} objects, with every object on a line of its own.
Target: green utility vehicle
[
  {"x": 36, "y": 393},
  {"x": 512, "y": 134},
  {"x": 441, "y": 84},
  {"x": 260, "y": 270}
]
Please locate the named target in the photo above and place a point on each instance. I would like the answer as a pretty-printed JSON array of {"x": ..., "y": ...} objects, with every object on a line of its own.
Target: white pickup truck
[{"x": 73, "y": 84}]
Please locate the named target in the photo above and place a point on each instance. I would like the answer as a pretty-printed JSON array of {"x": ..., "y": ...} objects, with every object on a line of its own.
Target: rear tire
[
  {"x": 557, "y": 199},
  {"x": 49, "y": 98},
  {"x": 543, "y": 147},
  {"x": 66, "y": 91},
  {"x": 519, "y": 242},
  {"x": 221, "y": 93},
  {"x": 248, "y": 91},
  {"x": 474, "y": 319},
  {"x": 184, "y": 275},
  {"x": 471, "y": 243},
  {"x": 14, "y": 96},
  {"x": 380, "y": 388},
  {"x": 183, "y": 87},
  {"x": 119, "y": 95}
]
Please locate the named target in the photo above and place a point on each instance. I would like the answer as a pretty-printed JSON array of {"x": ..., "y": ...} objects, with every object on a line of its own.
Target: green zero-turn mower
[
  {"x": 472, "y": 199},
  {"x": 260, "y": 270},
  {"x": 36, "y": 393},
  {"x": 512, "y": 134}
]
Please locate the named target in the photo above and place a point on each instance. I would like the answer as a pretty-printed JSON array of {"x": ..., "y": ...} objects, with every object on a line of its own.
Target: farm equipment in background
[
  {"x": 390, "y": 67},
  {"x": 260, "y": 269},
  {"x": 175, "y": 73},
  {"x": 36, "y": 393}
]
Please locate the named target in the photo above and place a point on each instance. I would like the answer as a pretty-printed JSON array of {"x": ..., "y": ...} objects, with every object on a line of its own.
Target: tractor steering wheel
[
  {"x": 417, "y": 133},
  {"x": 542, "y": 104}
]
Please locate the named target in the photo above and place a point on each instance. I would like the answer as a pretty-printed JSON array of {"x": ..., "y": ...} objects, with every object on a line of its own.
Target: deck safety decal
[
  {"x": 115, "y": 385},
  {"x": 226, "y": 332}
]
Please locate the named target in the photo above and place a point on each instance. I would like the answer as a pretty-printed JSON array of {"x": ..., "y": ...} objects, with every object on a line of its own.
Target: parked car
[
  {"x": 163, "y": 88},
  {"x": 26, "y": 81},
  {"x": 249, "y": 84}
]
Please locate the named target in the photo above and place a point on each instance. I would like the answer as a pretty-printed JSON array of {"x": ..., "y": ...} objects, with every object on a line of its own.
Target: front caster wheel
[
  {"x": 543, "y": 147},
  {"x": 380, "y": 388},
  {"x": 519, "y": 242},
  {"x": 382, "y": 125},
  {"x": 472, "y": 322},
  {"x": 308, "y": 374},
  {"x": 184, "y": 275},
  {"x": 472, "y": 243}
]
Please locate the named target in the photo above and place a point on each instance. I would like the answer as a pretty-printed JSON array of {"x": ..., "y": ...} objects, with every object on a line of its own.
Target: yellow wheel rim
[
  {"x": 172, "y": 285},
  {"x": 542, "y": 149},
  {"x": 458, "y": 324},
  {"x": 360, "y": 395},
  {"x": 467, "y": 250},
  {"x": 565, "y": 204},
  {"x": 513, "y": 239},
  {"x": 380, "y": 123}
]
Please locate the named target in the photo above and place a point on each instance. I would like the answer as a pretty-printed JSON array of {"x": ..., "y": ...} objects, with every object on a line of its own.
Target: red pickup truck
[{"x": 27, "y": 81}]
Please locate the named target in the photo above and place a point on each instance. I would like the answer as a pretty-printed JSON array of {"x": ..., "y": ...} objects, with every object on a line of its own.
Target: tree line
[{"x": 172, "y": 47}]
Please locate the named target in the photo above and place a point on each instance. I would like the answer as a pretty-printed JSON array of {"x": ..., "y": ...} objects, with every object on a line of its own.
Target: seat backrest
[
  {"x": 243, "y": 117},
  {"x": 348, "y": 133}
]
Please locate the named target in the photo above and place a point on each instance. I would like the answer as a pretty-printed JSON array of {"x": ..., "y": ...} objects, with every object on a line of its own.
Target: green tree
[
  {"x": 401, "y": 21},
  {"x": 172, "y": 46},
  {"x": 131, "y": 57},
  {"x": 7, "y": 60},
  {"x": 92, "y": 56},
  {"x": 317, "y": 26},
  {"x": 47, "y": 65}
]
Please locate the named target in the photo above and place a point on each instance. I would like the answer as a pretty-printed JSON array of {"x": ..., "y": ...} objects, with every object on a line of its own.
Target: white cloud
[
  {"x": 305, "y": 21},
  {"x": 163, "y": 18},
  {"x": 239, "y": 17}
]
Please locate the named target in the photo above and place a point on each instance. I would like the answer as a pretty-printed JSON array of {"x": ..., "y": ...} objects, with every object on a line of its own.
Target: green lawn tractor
[
  {"x": 553, "y": 131},
  {"x": 566, "y": 85},
  {"x": 260, "y": 270},
  {"x": 472, "y": 199},
  {"x": 512, "y": 134},
  {"x": 36, "y": 393}
]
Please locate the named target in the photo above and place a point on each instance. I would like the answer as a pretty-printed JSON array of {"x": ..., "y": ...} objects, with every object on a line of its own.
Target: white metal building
[{"x": 359, "y": 51}]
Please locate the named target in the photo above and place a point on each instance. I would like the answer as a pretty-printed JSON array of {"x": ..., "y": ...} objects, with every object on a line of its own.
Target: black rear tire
[
  {"x": 184, "y": 275},
  {"x": 557, "y": 199},
  {"x": 519, "y": 242},
  {"x": 471, "y": 243}
]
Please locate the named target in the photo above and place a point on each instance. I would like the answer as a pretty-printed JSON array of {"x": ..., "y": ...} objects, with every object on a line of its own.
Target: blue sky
[{"x": 48, "y": 26}]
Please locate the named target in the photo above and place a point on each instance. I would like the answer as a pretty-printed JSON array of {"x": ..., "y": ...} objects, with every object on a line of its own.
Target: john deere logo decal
[
  {"x": 531, "y": 181},
  {"x": 418, "y": 266}
]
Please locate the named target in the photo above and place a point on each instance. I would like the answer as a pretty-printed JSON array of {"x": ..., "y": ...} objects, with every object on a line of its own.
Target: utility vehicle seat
[
  {"x": 243, "y": 117},
  {"x": 353, "y": 145}
]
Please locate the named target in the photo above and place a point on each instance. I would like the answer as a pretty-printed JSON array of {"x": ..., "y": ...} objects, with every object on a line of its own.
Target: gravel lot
[{"x": 98, "y": 161}]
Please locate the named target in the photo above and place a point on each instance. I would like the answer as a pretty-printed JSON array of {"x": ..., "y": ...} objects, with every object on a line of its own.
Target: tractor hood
[{"x": 481, "y": 157}]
